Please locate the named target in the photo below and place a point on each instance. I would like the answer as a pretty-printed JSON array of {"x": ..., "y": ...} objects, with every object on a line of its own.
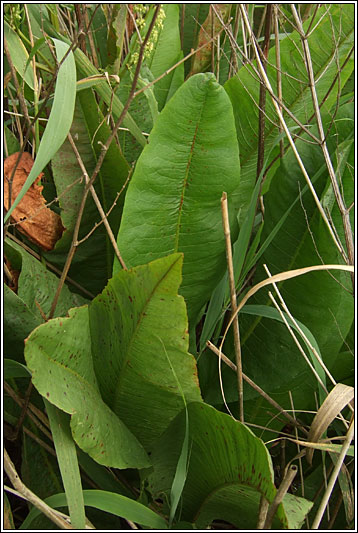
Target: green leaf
[
  {"x": 166, "y": 53},
  {"x": 19, "y": 321},
  {"x": 60, "y": 119},
  {"x": 58, "y": 354},
  {"x": 92, "y": 263},
  {"x": 333, "y": 36},
  {"x": 14, "y": 369},
  {"x": 37, "y": 285},
  {"x": 173, "y": 200},
  {"x": 19, "y": 55},
  {"x": 67, "y": 460},
  {"x": 109, "y": 502},
  {"x": 316, "y": 299},
  {"x": 142, "y": 313},
  {"x": 228, "y": 472}
]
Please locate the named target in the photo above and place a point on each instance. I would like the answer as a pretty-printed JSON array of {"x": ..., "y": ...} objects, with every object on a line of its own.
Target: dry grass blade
[
  {"x": 337, "y": 399},
  {"x": 276, "y": 279}
]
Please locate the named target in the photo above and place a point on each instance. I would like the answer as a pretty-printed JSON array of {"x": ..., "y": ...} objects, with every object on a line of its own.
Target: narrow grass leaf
[
  {"x": 68, "y": 463},
  {"x": 60, "y": 119},
  {"x": 324, "y": 446},
  {"x": 19, "y": 55},
  {"x": 182, "y": 466},
  {"x": 108, "y": 502}
]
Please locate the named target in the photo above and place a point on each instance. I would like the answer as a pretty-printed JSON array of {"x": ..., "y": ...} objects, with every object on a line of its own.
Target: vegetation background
[{"x": 179, "y": 248}]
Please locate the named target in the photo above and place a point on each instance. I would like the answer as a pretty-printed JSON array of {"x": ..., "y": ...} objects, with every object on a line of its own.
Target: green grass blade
[
  {"x": 182, "y": 466},
  {"x": 68, "y": 463},
  {"x": 180, "y": 472},
  {"x": 108, "y": 502},
  {"x": 19, "y": 55},
  {"x": 60, "y": 119}
]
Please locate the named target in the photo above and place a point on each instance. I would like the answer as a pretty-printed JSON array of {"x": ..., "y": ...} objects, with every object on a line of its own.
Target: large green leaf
[
  {"x": 107, "y": 365},
  {"x": 229, "y": 470},
  {"x": 332, "y": 37},
  {"x": 92, "y": 263},
  {"x": 319, "y": 300},
  {"x": 173, "y": 200},
  {"x": 146, "y": 324},
  {"x": 58, "y": 354}
]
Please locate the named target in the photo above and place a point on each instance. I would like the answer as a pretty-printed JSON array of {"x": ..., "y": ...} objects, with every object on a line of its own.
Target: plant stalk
[{"x": 230, "y": 267}]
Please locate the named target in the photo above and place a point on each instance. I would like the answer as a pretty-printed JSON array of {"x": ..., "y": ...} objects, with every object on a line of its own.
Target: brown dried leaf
[
  {"x": 211, "y": 26},
  {"x": 40, "y": 225}
]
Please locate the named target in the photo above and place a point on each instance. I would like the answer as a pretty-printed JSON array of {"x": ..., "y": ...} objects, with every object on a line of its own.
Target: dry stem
[
  {"x": 30, "y": 496},
  {"x": 282, "y": 490},
  {"x": 230, "y": 267}
]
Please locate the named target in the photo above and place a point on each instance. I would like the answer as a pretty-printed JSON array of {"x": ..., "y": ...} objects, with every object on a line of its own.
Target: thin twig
[
  {"x": 279, "y": 72},
  {"x": 98, "y": 204},
  {"x": 263, "y": 508},
  {"x": 230, "y": 267},
  {"x": 262, "y": 96},
  {"x": 32, "y": 416}
]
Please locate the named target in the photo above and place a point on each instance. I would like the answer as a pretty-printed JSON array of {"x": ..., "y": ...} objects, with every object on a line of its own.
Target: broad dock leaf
[
  {"x": 145, "y": 324},
  {"x": 173, "y": 200},
  {"x": 58, "y": 354},
  {"x": 229, "y": 470}
]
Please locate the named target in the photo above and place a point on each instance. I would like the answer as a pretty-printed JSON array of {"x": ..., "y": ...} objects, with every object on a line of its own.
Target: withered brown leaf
[{"x": 39, "y": 223}]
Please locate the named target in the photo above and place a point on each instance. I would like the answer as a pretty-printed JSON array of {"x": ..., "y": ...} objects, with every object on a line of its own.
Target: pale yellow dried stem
[
  {"x": 230, "y": 268},
  {"x": 30, "y": 496}
]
